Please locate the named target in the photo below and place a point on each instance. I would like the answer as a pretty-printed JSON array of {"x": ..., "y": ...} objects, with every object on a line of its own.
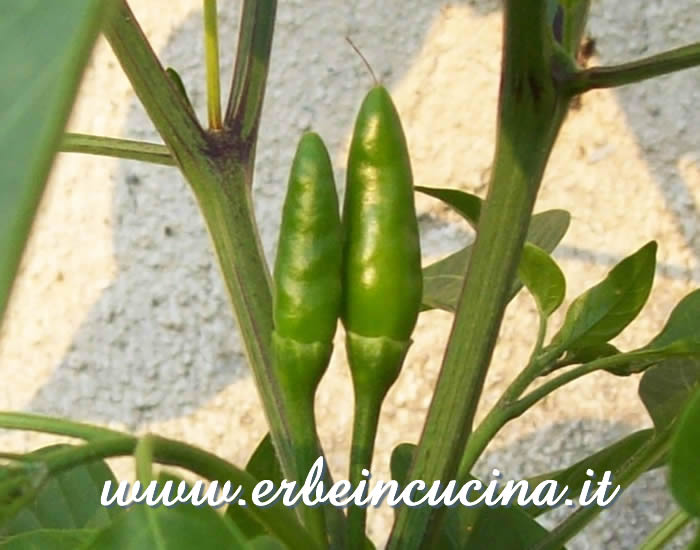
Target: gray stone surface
[{"x": 120, "y": 316}]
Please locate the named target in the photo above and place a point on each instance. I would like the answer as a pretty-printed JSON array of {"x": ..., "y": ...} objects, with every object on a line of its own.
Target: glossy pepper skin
[
  {"x": 382, "y": 276},
  {"x": 309, "y": 253}
]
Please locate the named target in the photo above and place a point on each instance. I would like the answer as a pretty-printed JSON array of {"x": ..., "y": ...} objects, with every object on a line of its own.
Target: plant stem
[
  {"x": 668, "y": 529},
  {"x": 574, "y": 24},
  {"x": 211, "y": 44},
  {"x": 635, "y": 71},
  {"x": 167, "y": 109},
  {"x": 509, "y": 407},
  {"x": 55, "y": 426},
  {"x": 647, "y": 455},
  {"x": 143, "y": 459},
  {"x": 364, "y": 432},
  {"x": 154, "y": 153},
  {"x": 252, "y": 61},
  {"x": 530, "y": 113},
  {"x": 219, "y": 168},
  {"x": 501, "y": 413},
  {"x": 278, "y": 519},
  {"x": 520, "y": 406}
]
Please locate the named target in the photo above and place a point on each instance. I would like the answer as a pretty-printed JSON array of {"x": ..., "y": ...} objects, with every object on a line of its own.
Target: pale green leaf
[{"x": 45, "y": 46}]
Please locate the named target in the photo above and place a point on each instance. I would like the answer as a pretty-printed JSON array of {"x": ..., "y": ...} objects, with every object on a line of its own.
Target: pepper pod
[
  {"x": 382, "y": 278},
  {"x": 307, "y": 297}
]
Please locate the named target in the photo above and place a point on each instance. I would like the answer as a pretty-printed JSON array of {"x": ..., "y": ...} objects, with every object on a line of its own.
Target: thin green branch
[
  {"x": 55, "y": 426},
  {"x": 635, "y": 71},
  {"x": 667, "y": 530},
  {"x": 647, "y": 456},
  {"x": 523, "y": 404},
  {"x": 153, "y": 153},
  {"x": 531, "y": 111},
  {"x": 167, "y": 109},
  {"x": 143, "y": 459},
  {"x": 211, "y": 44},
  {"x": 251, "y": 69},
  {"x": 509, "y": 406}
]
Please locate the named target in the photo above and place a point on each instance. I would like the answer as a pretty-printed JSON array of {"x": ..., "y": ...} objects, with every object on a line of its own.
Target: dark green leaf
[
  {"x": 181, "y": 527},
  {"x": 542, "y": 277},
  {"x": 263, "y": 464},
  {"x": 602, "y": 312},
  {"x": 465, "y": 204},
  {"x": 442, "y": 281},
  {"x": 505, "y": 528},
  {"x": 679, "y": 339},
  {"x": 49, "y": 539},
  {"x": 684, "y": 472},
  {"x": 681, "y": 334},
  {"x": 68, "y": 500},
  {"x": 45, "y": 46},
  {"x": 610, "y": 458},
  {"x": 666, "y": 387}
]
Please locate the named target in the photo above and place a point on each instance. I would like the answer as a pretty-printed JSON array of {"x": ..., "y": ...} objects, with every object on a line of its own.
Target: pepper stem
[
  {"x": 306, "y": 451},
  {"x": 375, "y": 364},
  {"x": 364, "y": 433}
]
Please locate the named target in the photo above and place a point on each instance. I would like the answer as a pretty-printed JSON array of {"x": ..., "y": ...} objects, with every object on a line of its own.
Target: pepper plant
[{"x": 363, "y": 267}]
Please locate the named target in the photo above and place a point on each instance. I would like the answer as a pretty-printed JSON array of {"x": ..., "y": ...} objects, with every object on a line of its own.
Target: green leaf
[
  {"x": 263, "y": 464},
  {"x": 68, "y": 500},
  {"x": 505, "y": 528},
  {"x": 681, "y": 334},
  {"x": 45, "y": 46},
  {"x": 442, "y": 281},
  {"x": 181, "y": 527},
  {"x": 684, "y": 473},
  {"x": 602, "y": 312},
  {"x": 53, "y": 539},
  {"x": 610, "y": 458},
  {"x": 542, "y": 277},
  {"x": 679, "y": 339},
  {"x": 665, "y": 388},
  {"x": 465, "y": 204}
]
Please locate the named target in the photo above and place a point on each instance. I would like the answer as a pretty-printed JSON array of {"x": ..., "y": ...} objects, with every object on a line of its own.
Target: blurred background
[{"x": 120, "y": 316}]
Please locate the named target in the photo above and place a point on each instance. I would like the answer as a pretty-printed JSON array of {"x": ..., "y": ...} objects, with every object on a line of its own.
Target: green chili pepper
[
  {"x": 382, "y": 279},
  {"x": 307, "y": 298},
  {"x": 309, "y": 253}
]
